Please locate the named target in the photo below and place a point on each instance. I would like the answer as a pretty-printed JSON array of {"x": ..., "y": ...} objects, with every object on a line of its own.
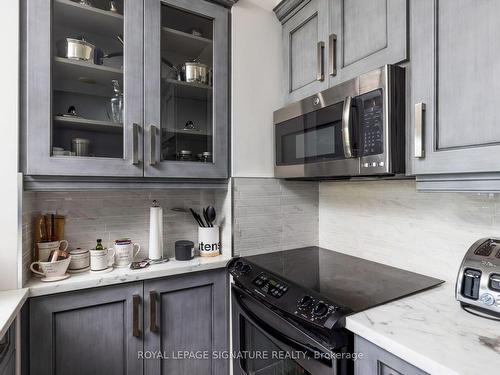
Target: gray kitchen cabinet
[
  {"x": 93, "y": 331},
  {"x": 454, "y": 99},
  {"x": 131, "y": 108},
  {"x": 64, "y": 98},
  {"x": 186, "y": 121},
  {"x": 369, "y": 34},
  {"x": 8, "y": 352},
  {"x": 326, "y": 42},
  {"x": 187, "y": 313},
  {"x": 304, "y": 51},
  {"x": 377, "y": 361}
]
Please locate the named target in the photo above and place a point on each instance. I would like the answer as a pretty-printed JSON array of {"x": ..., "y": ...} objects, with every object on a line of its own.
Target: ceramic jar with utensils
[
  {"x": 209, "y": 241},
  {"x": 125, "y": 252}
]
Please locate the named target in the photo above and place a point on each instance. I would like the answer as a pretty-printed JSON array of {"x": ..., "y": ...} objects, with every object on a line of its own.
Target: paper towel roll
[{"x": 155, "y": 232}]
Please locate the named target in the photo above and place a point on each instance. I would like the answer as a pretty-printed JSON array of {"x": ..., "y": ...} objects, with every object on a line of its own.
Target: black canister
[{"x": 184, "y": 250}]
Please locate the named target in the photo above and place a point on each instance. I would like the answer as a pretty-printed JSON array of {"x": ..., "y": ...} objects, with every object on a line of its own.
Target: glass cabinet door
[
  {"x": 186, "y": 78},
  {"x": 85, "y": 105}
]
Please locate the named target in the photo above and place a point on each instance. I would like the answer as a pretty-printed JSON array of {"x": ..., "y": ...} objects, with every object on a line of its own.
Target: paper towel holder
[{"x": 156, "y": 206}]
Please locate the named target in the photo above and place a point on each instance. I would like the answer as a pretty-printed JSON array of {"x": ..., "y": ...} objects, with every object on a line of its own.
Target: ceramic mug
[
  {"x": 101, "y": 259},
  {"x": 45, "y": 248},
  {"x": 51, "y": 269},
  {"x": 125, "y": 252}
]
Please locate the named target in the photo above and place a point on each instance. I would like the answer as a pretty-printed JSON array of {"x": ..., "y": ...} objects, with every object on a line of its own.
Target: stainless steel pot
[
  {"x": 80, "y": 146},
  {"x": 194, "y": 71},
  {"x": 76, "y": 49}
]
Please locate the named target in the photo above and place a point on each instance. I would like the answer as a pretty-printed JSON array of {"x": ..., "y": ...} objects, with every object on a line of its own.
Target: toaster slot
[
  {"x": 470, "y": 283},
  {"x": 495, "y": 281},
  {"x": 485, "y": 249}
]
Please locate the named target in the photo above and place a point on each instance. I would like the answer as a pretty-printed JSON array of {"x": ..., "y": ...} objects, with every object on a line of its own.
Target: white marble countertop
[
  {"x": 432, "y": 332},
  {"x": 11, "y": 302},
  {"x": 122, "y": 275}
]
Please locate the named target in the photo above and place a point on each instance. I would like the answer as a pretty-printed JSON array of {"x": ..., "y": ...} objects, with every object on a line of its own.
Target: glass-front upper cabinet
[
  {"x": 83, "y": 89},
  {"x": 186, "y": 89}
]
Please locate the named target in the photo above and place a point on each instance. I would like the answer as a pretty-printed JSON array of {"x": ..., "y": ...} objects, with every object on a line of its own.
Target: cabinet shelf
[
  {"x": 85, "y": 72},
  {"x": 183, "y": 43},
  {"x": 190, "y": 90},
  {"x": 78, "y": 123},
  {"x": 87, "y": 19}
]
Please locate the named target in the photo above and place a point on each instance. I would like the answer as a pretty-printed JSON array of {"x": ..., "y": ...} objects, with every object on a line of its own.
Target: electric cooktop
[{"x": 355, "y": 283}]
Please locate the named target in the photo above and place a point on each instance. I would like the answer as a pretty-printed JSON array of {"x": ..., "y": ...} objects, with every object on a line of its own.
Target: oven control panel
[{"x": 294, "y": 300}]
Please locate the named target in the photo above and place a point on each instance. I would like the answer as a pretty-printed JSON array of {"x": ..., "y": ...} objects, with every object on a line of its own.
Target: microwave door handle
[{"x": 346, "y": 128}]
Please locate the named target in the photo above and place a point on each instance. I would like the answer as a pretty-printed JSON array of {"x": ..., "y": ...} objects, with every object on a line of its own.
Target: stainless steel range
[{"x": 289, "y": 308}]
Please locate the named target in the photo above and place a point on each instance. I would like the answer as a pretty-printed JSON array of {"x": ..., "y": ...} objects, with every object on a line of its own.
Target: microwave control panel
[{"x": 370, "y": 107}]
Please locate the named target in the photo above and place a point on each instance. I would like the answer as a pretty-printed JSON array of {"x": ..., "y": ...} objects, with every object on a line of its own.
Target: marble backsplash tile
[
  {"x": 116, "y": 214},
  {"x": 390, "y": 222},
  {"x": 272, "y": 215}
]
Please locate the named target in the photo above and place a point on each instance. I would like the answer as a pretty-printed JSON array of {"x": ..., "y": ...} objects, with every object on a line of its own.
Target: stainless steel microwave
[{"x": 356, "y": 128}]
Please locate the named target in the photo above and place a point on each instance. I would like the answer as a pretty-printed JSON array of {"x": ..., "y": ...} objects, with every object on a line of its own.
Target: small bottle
[{"x": 99, "y": 245}]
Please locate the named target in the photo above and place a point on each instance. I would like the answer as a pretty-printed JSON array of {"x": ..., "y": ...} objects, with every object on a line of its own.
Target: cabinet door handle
[
  {"x": 136, "y": 301},
  {"x": 419, "y": 130},
  {"x": 153, "y": 145},
  {"x": 332, "y": 56},
  {"x": 135, "y": 144},
  {"x": 153, "y": 299},
  {"x": 320, "y": 76}
]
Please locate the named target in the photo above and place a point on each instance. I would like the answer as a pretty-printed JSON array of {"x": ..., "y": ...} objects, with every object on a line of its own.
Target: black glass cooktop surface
[{"x": 353, "y": 282}]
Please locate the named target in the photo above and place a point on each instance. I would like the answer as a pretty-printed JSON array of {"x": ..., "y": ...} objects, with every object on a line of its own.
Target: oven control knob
[
  {"x": 305, "y": 301},
  {"x": 320, "y": 309},
  {"x": 245, "y": 268},
  {"x": 487, "y": 299}
]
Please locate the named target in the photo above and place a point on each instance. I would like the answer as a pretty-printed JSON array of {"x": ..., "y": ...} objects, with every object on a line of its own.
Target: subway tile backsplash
[
  {"x": 272, "y": 215},
  {"x": 115, "y": 214}
]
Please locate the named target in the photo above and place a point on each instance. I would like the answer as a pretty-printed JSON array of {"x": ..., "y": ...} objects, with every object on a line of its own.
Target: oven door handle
[
  {"x": 346, "y": 128},
  {"x": 323, "y": 357}
]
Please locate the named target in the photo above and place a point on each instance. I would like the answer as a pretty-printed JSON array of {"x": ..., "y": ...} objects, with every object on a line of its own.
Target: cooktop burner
[{"x": 348, "y": 281}]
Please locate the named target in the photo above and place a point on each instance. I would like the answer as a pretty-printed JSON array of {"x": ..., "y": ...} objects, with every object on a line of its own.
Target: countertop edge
[
  {"x": 21, "y": 295},
  {"x": 118, "y": 276},
  {"x": 399, "y": 350}
]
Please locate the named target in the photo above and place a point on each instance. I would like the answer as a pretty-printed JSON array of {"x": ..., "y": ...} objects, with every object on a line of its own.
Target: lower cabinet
[
  {"x": 377, "y": 361},
  {"x": 8, "y": 352},
  {"x": 121, "y": 329}
]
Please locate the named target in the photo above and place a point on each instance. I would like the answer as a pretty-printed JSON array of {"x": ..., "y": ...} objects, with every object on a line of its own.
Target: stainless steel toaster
[{"x": 478, "y": 281}]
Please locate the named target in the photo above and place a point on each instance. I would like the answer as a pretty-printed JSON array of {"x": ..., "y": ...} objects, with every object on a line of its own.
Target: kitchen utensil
[
  {"x": 209, "y": 241},
  {"x": 80, "y": 146},
  {"x": 40, "y": 232},
  {"x": 45, "y": 248},
  {"x": 184, "y": 155},
  {"x": 113, "y": 7},
  {"x": 51, "y": 269},
  {"x": 86, "y": 3},
  {"x": 171, "y": 71},
  {"x": 116, "y": 103},
  {"x": 194, "y": 71},
  {"x": 197, "y": 218},
  {"x": 101, "y": 260},
  {"x": 99, "y": 56},
  {"x": 59, "y": 224},
  {"x": 125, "y": 252},
  {"x": 184, "y": 250},
  {"x": 80, "y": 260},
  {"x": 56, "y": 255},
  {"x": 196, "y": 32},
  {"x": 211, "y": 215},
  {"x": 76, "y": 49},
  {"x": 155, "y": 231},
  {"x": 205, "y": 216}
]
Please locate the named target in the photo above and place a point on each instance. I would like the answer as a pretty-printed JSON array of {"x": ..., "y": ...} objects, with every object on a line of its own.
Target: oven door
[
  {"x": 264, "y": 343},
  {"x": 321, "y": 143}
]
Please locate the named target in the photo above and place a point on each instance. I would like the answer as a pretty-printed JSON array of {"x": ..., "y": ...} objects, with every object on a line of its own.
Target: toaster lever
[{"x": 470, "y": 284}]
